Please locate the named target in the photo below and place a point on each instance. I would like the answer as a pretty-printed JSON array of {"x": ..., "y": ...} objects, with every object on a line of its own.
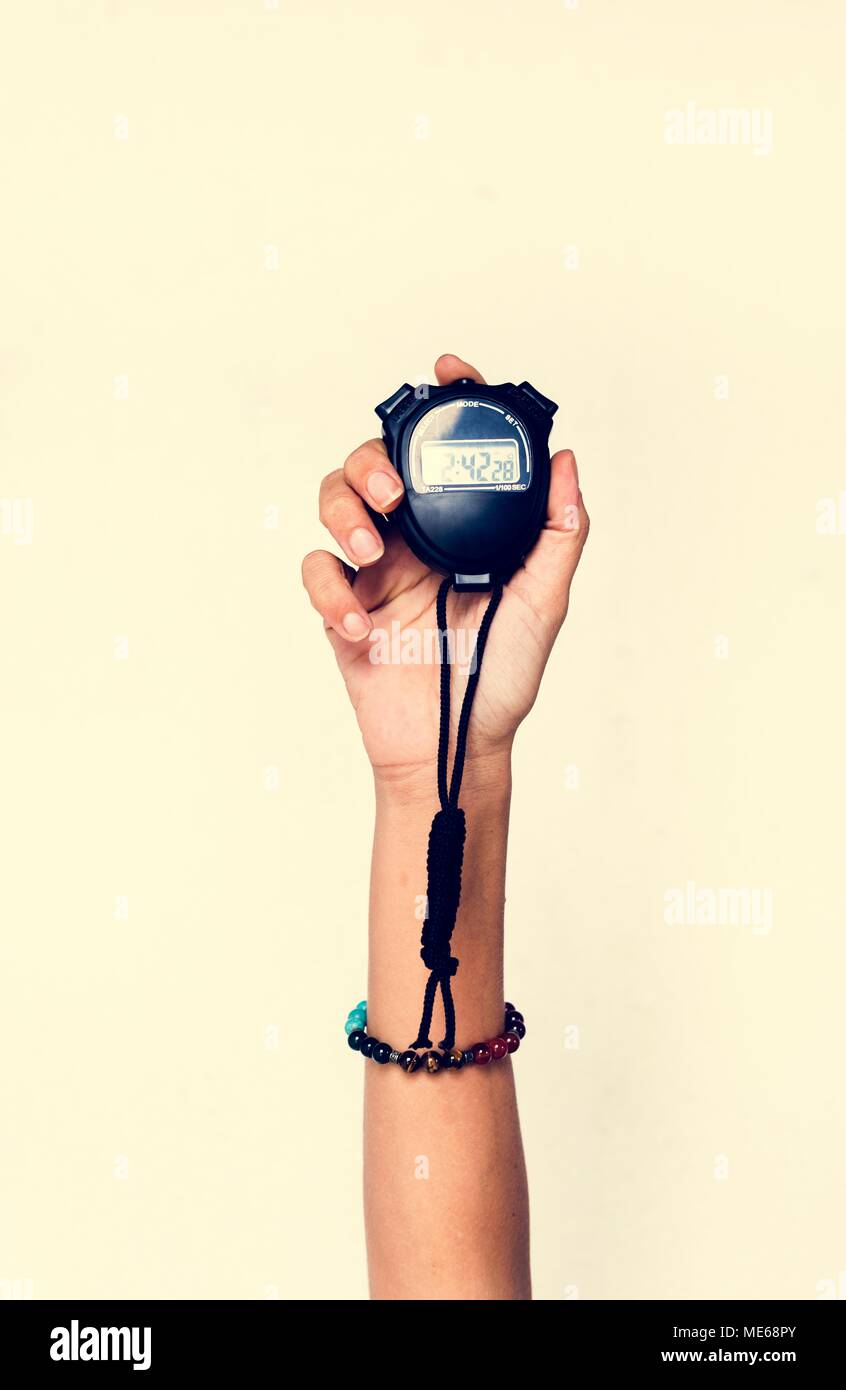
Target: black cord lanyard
[{"x": 448, "y": 832}]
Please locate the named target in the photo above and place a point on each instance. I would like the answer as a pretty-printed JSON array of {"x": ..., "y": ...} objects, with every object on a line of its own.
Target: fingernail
[
  {"x": 355, "y": 626},
  {"x": 383, "y": 489},
  {"x": 364, "y": 545}
]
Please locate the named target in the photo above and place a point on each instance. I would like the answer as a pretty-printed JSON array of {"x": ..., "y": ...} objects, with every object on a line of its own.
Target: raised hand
[{"x": 397, "y": 704}]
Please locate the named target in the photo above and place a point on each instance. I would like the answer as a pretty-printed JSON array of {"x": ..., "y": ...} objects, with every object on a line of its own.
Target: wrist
[
  {"x": 486, "y": 778},
  {"x": 406, "y": 801}
]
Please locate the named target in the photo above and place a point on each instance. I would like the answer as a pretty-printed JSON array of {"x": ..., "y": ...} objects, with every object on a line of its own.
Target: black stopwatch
[{"x": 474, "y": 461}]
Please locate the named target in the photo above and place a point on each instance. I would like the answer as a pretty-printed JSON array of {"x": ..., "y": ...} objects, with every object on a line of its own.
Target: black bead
[
  {"x": 519, "y": 1028},
  {"x": 356, "y": 1039},
  {"x": 509, "y": 1008},
  {"x": 469, "y": 1058},
  {"x": 368, "y": 1045},
  {"x": 454, "y": 1059},
  {"x": 381, "y": 1052}
]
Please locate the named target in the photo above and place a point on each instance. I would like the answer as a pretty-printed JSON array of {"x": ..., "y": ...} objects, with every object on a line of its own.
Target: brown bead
[
  {"x": 499, "y": 1048},
  {"x": 409, "y": 1061},
  {"x": 432, "y": 1061}
]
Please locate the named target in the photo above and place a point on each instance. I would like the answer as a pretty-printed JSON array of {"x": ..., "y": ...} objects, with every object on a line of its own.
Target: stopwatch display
[
  {"x": 469, "y": 444},
  {"x": 469, "y": 463},
  {"x": 475, "y": 464}
]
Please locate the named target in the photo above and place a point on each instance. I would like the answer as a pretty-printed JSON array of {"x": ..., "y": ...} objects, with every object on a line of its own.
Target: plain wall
[{"x": 229, "y": 230}]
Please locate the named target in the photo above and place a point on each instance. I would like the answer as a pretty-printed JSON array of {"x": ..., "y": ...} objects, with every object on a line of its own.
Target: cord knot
[{"x": 438, "y": 959}]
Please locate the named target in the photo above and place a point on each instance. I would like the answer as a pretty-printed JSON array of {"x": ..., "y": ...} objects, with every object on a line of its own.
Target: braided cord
[{"x": 447, "y": 835}]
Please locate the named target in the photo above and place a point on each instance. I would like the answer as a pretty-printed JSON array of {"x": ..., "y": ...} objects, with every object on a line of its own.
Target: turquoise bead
[{"x": 356, "y": 1018}]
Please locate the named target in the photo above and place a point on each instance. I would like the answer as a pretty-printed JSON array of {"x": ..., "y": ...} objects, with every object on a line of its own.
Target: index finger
[{"x": 370, "y": 473}]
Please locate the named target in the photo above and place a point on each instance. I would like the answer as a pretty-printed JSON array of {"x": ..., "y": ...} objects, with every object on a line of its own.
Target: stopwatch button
[
  {"x": 548, "y": 406},
  {"x": 389, "y": 406}
]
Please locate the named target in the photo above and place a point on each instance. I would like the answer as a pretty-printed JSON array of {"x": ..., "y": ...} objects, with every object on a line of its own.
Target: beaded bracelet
[{"x": 493, "y": 1050}]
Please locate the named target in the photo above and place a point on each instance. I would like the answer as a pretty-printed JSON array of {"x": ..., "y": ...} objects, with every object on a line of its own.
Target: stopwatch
[{"x": 474, "y": 461}]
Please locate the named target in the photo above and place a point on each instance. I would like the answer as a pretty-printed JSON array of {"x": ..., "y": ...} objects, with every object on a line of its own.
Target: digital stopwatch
[{"x": 474, "y": 461}]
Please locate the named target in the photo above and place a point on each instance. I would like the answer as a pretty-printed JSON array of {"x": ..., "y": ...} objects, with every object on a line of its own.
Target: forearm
[{"x": 446, "y": 1204}]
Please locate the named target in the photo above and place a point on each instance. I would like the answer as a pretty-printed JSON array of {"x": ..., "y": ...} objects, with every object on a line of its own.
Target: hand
[{"x": 397, "y": 705}]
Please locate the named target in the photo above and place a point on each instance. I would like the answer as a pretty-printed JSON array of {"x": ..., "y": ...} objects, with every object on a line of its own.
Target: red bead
[
  {"x": 512, "y": 1041},
  {"x": 482, "y": 1053},
  {"x": 498, "y": 1047}
]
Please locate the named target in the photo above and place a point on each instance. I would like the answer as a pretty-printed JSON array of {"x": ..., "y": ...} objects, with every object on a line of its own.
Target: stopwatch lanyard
[{"x": 448, "y": 832}]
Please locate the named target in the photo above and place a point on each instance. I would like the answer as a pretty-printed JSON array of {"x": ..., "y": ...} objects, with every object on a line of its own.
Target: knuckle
[
  {"x": 323, "y": 593},
  {"x": 353, "y": 461},
  {"x": 328, "y": 488},
  {"x": 307, "y": 567},
  {"x": 339, "y": 515},
  {"x": 363, "y": 457}
]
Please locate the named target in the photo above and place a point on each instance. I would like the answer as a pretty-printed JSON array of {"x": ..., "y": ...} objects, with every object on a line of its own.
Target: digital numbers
[
  {"x": 463, "y": 463},
  {"x": 478, "y": 466}
]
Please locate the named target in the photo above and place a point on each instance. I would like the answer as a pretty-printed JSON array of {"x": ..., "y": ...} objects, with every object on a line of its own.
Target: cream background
[{"x": 145, "y": 1040}]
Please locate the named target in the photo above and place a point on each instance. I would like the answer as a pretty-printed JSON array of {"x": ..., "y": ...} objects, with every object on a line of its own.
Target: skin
[{"x": 446, "y": 1204}]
